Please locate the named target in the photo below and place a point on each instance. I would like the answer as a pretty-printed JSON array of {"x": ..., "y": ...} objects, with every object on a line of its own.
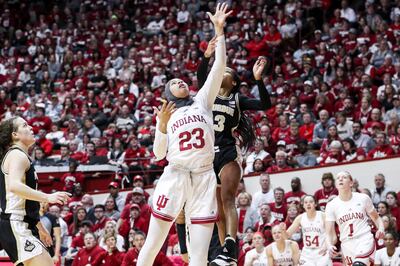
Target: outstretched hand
[
  {"x": 164, "y": 114},
  {"x": 218, "y": 19},
  {"x": 258, "y": 67},
  {"x": 211, "y": 47}
]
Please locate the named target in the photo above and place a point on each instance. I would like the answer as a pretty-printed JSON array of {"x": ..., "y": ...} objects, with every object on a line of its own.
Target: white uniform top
[
  {"x": 351, "y": 216},
  {"x": 285, "y": 258},
  {"x": 382, "y": 258},
  {"x": 313, "y": 231},
  {"x": 190, "y": 130},
  {"x": 262, "y": 257}
]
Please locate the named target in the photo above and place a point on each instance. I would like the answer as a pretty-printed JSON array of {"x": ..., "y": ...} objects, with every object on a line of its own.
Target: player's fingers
[
  {"x": 229, "y": 13},
  {"x": 209, "y": 15},
  {"x": 224, "y": 7},
  {"x": 155, "y": 109},
  {"x": 218, "y": 7}
]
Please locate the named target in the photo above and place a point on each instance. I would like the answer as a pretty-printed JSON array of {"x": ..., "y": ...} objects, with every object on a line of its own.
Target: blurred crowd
[{"x": 87, "y": 74}]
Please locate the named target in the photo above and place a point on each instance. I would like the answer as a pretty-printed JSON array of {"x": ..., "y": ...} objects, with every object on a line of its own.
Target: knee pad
[{"x": 358, "y": 263}]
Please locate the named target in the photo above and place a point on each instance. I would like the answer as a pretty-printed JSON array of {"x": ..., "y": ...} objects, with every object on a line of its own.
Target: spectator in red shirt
[
  {"x": 88, "y": 254},
  {"x": 78, "y": 240},
  {"x": 278, "y": 207},
  {"x": 296, "y": 194},
  {"x": 243, "y": 203},
  {"x": 110, "y": 257},
  {"x": 101, "y": 219},
  {"x": 266, "y": 222},
  {"x": 44, "y": 143},
  {"x": 327, "y": 192},
  {"x": 306, "y": 131},
  {"x": 382, "y": 149},
  {"x": 72, "y": 177},
  {"x": 131, "y": 256},
  {"x": 40, "y": 120},
  {"x": 138, "y": 181},
  {"x": 133, "y": 222},
  {"x": 333, "y": 155},
  {"x": 137, "y": 198},
  {"x": 280, "y": 163}
]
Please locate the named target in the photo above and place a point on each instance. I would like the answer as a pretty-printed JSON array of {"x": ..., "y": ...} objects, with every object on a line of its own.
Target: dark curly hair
[{"x": 7, "y": 127}]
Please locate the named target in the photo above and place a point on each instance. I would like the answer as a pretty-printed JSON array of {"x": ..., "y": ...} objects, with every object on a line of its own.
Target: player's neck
[
  {"x": 311, "y": 214},
  {"x": 345, "y": 195},
  {"x": 224, "y": 92},
  {"x": 21, "y": 146},
  {"x": 390, "y": 251}
]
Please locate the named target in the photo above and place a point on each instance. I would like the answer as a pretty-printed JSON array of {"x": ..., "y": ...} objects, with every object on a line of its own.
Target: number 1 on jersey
[{"x": 351, "y": 230}]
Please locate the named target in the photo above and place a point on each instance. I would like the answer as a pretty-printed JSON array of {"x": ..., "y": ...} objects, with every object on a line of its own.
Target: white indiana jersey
[
  {"x": 262, "y": 257},
  {"x": 191, "y": 136},
  {"x": 282, "y": 259},
  {"x": 190, "y": 129},
  {"x": 313, "y": 231},
  {"x": 351, "y": 216},
  {"x": 383, "y": 259}
]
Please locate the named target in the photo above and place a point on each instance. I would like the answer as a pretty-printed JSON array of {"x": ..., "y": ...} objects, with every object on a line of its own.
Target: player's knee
[{"x": 358, "y": 263}]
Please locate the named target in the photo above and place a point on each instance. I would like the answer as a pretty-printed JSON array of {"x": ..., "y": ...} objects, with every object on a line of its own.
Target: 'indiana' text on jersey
[{"x": 226, "y": 114}]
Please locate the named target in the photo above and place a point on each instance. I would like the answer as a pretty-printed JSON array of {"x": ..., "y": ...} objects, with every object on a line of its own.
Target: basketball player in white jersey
[
  {"x": 282, "y": 252},
  {"x": 390, "y": 255},
  {"x": 351, "y": 211},
  {"x": 185, "y": 136},
  {"x": 311, "y": 222}
]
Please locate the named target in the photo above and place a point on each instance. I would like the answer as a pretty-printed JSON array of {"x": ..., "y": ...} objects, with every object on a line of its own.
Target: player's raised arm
[
  {"x": 209, "y": 91},
  {"x": 161, "y": 139}
]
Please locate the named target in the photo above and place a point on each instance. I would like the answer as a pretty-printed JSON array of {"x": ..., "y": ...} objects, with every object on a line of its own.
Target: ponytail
[
  {"x": 7, "y": 127},
  {"x": 246, "y": 132}
]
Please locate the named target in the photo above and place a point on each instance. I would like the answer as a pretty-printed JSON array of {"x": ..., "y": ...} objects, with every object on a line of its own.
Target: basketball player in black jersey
[
  {"x": 229, "y": 120},
  {"x": 21, "y": 233}
]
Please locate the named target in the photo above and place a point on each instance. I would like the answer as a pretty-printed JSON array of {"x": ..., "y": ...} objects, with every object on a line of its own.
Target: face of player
[
  {"x": 139, "y": 241},
  {"x": 24, "y": 133},
  {"x": 258, "y": 240},
  {"x": 179, "y": 88},
  {"x": 228, "y": 81},
  {"x": 309, "y": 203},
  {"x": 276, "y": 233},
  {"x": 390, "y": 242},
  {"x": 343, "y": 182}
]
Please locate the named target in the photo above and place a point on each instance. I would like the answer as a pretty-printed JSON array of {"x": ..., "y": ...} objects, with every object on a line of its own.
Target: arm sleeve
[
  {"x": 329, "y": 213},
  {"x": 160, "y": 144},
  {"x": 209, "y": 91},
  {"x": 264, "y": 103},
  {"x": 202, "y": 71}
]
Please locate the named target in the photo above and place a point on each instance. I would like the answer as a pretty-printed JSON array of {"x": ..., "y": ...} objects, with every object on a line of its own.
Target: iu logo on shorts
[{"x": 161, "y": 202}]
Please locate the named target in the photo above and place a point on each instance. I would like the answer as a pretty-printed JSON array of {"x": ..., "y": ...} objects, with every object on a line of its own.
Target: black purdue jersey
[
  {"x": 226, "y": 119},
  {"x": 227, "y": 110},
  {"x": 10, "y": 203}
]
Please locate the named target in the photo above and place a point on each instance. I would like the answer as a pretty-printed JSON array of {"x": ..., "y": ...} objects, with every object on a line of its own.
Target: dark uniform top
[
  {"x": 10, "y": 203},
  {"x": 227, "y": 112}
]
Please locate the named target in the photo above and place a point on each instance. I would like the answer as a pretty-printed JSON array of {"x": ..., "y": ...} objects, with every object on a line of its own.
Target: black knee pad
[
  {"x": 181, "y": 231},
  {"x": 358, "y": 263}
]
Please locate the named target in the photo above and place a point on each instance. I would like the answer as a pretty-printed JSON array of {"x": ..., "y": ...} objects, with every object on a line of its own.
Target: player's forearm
[
  {"x": 26, "y": 192},
  {"x": 160, "y": 145},
  {"x": 57, "y": 237}
]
